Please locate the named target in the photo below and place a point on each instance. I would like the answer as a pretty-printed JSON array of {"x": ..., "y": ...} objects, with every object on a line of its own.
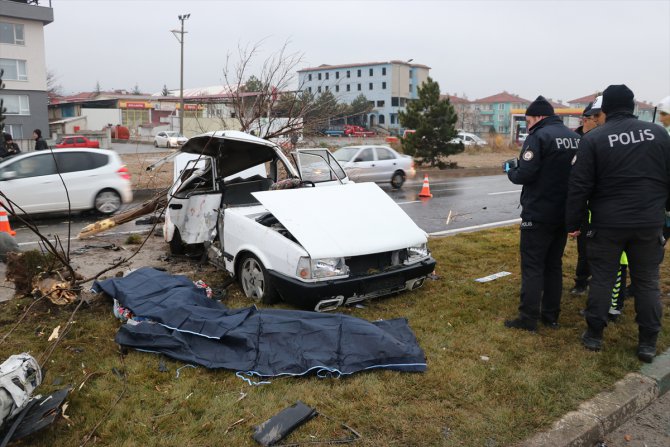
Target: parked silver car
[
  {"x": 169, "y": 139},
  {"x": 379, "y": 164}
]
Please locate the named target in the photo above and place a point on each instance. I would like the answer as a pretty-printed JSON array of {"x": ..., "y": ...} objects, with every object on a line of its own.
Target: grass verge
[{"x": 485, "y": 385}]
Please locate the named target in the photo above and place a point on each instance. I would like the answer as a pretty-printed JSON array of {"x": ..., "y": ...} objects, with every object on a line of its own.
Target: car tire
[
  {"x": 155, "y": 143},
  {"x": 107, "y": 202},
  {"x": 176, "y": 244},
  {"x": 398, "y": 179},
  {"x": 255, "y": 280},
  {"x": 168, "y": 145}
]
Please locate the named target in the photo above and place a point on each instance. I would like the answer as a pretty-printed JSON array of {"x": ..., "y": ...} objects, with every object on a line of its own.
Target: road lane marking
[
  {"x": 504, "y": 192},
  {"x": 475, "y": 227},
  {"x": 118, "y": 233},
  {"x": 405, "y": 203}
]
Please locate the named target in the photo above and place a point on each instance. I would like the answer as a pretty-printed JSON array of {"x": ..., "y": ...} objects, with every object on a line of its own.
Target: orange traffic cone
[
  {"x": 425, "y": 191},
  {"x": 4, "y": 224}
]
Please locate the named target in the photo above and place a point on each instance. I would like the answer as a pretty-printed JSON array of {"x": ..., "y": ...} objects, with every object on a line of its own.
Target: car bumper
[{"x": 329, "y": 294}]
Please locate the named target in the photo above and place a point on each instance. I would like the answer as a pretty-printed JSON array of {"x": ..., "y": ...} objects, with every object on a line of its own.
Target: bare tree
[
  {"x": 267, "y": 102},
  {"x": 53, "y": 87}
]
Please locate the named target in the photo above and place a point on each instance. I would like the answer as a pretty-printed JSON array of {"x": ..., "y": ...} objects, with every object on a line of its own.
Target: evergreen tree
[
  {"x": 136, "y": 90},
  {"x": 165, "y": 91},
  {"x": 434, "y": 121},
  {"x": 97, "y": 88},
  {"x": 254, "y": 84},
  {"x": 359, "y": 107}
]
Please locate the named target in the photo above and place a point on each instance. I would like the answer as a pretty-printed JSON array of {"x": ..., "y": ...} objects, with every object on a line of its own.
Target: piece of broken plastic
[{"x": 280, "y": 425}]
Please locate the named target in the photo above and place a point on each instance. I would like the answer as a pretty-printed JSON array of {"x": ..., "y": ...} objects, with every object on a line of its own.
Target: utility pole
[{"x": 180, "y": 38}]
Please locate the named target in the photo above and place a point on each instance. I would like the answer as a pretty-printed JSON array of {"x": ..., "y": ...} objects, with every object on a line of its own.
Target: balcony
[{"x": 28, "y": 10}]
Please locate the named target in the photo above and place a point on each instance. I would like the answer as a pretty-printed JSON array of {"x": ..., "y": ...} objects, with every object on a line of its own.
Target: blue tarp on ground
[{"x": 190, "y": 327}]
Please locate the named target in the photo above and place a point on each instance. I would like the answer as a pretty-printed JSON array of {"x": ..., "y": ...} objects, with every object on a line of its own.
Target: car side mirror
[{"x": 8, "y": 175}]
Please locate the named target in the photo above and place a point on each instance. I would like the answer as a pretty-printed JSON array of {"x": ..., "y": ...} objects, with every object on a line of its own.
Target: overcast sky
[{"x": 561, "y": 49}]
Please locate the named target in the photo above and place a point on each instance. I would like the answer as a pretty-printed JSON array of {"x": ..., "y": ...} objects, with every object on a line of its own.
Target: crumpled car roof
[{"x": 235, "y": 151}]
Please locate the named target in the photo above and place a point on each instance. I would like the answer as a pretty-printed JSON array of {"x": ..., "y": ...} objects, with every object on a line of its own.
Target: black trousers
[
  {"x": 644, "y": 248},
  {"x": 542, "y": 248},
  {"x": 582, "y": 272}
]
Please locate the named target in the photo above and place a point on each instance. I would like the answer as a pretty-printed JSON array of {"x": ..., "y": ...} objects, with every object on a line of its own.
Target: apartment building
[
  {"x": 494, "y": 113},
  {"x": 22, "y": 58},
  {"x": 387, "y": 85}
]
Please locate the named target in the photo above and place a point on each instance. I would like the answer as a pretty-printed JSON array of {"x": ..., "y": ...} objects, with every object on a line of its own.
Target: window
[
  {"x": 359, "y": 73},
  {"x": 370, "y": 86},
  {"x": 392, "y": 116},
  {"x": 348, "y": 87},
  {"x": 383, "y": 85},
  {"x": 327, "y": 88},
  {"x": 319, "y": 75},
  {"x": 501, "y": 106},
  {"x": 371, "y": 72},
  {"x": 337, "y": 88},
  {"x": 383, "y": 71},
  {"x": 16, "y": 104},
  {"x": 359, "y": 87},
  {"x": 309, "y": 89},
  {"x": 309, "y": 76},
  {"x": 11, "y": 33},
  {"x": 381, "y": 119},
  {"x": 348, "y": 73},
  {"x": 380, "y": 103},
  {"x": 35, "y": 166},
  {"x": 382, "y": 152},
  {"x": 15, "y": 130},
  {"x": 501, "y": 117},
  {"x": 394, "y": 101},
  {"x": 501, "y": 129},
  {"x": 318, "y": 89},
  {"x": 327, "y": 75},
  {"x": 365, "y": 155},
  {"x": 15, "y": 70},
  {"x": 337, "y": 75},
  {"x": 79, "y": 161}
]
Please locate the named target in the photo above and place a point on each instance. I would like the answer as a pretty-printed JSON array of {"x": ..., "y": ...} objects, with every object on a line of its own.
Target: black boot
[
  {"x": 522, "y": 323},
  {"x": 592, "y": 339},
  {"x": 646, "y": 347}
]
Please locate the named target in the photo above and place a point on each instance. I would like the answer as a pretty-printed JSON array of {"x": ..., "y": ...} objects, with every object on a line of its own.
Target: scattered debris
[
  {"x": 88, "y": 247},
  {"x": 162, "y": 367},
  {"x": 182, "y": 367},
  {"x": 54, "y": 334},
  {"x": 150, "y": 220},
  {"x": 57, "y": 291},
  {"x": 280, "y": 425},
  {"x": 233, "y": 425},
  {"x": 134, "y": 239},
  {"x": 484, "y": 358},
  {"x": 492, "y": 277}
]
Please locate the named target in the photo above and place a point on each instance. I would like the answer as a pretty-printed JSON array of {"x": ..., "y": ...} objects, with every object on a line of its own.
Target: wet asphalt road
[{"x": 467, "y": 203}]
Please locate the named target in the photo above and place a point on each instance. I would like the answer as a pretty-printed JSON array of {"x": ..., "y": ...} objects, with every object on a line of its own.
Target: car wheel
[
  {"x": 168, "y": 145},
  {"x": 255, "y": 280},
  {"x": 155, "y": 143},
  {"x": 107, "y": 202},
  {"x": 397, "y": 179}
]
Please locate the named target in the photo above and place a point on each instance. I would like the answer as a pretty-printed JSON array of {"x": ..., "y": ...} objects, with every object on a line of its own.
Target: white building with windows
[
  {"x": 388, "y": 85},
  {"x": 22, "y": 58}
]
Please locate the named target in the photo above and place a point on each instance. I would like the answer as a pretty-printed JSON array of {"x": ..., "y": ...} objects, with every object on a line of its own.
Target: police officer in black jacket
[
  {"x": 543, "y": 169},
  {"x": 623, "y": 171}
]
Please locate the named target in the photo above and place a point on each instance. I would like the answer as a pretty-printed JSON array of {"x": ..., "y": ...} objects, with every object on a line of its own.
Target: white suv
[{"x": 95, "y": 179}]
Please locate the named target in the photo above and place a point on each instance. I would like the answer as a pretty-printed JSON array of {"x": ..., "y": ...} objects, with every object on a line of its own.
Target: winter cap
[
  {"x": 540, "y": 107},
  {"x": 618, "y": 97},
  {"x": 664, "y": 105},
  {"x": 594, "y": 107},
  {"x": 7, "y": 136}
]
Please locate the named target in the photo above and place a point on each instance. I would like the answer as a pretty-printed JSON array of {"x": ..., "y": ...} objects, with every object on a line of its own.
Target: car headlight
[
  {"x": 416, "y": 252},
  {"x": 321, "y": 268}
]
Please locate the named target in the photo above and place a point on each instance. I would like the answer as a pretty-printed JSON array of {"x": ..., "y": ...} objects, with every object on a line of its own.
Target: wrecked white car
[{"x": 308, "y": 236}]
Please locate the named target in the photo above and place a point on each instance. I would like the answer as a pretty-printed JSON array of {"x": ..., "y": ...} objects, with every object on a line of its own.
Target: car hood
[
  {"x": 234, "y": 151},
  {"x": 342, "y": 221}
]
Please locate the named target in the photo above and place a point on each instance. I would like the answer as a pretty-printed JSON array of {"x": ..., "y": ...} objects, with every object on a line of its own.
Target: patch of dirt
[{"x": 161, "y": 178}]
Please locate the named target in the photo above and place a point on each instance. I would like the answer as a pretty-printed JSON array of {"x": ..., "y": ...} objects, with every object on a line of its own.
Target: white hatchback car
[
  {"x": 169, "y": 139},
  {"x": 95, "y": 179},
  {"x": 306, "y": 235}
]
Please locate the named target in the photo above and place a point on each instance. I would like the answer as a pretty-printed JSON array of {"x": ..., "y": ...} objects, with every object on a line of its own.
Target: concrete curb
[{"x": 604, "y": 413}]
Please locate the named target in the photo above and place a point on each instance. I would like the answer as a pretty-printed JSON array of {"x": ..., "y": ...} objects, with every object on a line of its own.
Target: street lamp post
[{"x": 180, "y": 38}]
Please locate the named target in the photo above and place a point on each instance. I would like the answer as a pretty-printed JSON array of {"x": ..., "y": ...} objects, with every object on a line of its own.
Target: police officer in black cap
[
  {"x": 623, "y": 171},
  {"x": 543, "y": 169}
]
